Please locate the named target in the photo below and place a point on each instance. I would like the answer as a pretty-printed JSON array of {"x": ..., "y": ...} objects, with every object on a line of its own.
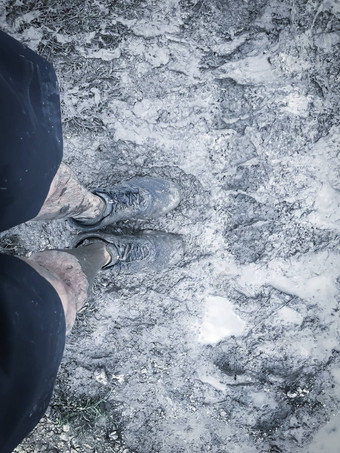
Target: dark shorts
[
  {"x": 32, "y": 339},
  {"x": 30, "y": 130},
  {"x": 32, "y": 322}
]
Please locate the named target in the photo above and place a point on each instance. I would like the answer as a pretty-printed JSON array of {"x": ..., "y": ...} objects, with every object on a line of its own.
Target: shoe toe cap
[
  {"x": 168, "y": 248},
  {"x": 165, "y": 195}
]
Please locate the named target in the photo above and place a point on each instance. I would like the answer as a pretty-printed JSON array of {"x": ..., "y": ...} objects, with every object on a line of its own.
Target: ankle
[
  {"x": 93, "y": 208},
  {"x": 92, "y": 258}
]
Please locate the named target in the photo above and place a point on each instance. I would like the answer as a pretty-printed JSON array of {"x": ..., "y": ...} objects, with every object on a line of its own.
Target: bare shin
[{"x": 68, "y": 198}]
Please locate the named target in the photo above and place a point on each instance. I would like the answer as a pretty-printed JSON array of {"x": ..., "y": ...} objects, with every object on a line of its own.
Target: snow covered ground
[{"x": 237, "y": 348}]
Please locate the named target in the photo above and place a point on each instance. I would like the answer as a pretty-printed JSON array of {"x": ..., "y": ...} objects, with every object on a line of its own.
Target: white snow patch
[
  {"x": 336, "y": 375},
  {"x": 103, "y": 54},
  {"x": 32, "y": 36},
  {"x": 289, "y": 315},
  {"x": 327, "y": 438},
  {"x": 28, "y": 17},
  {"x": 219, "y": 321},
  {"x": 256, "y": 70},
  {"x": 311, "y": 277},
  {"x": 297, "y": 104},
  {"x": 294, "y": 64},
  {"x": 156, "y": 55},
  {"x": 63, "y": 39},
  {"x": 128, "y": 22},
  {"x": 326, "y": 41},
  {"x": 152, "y": 29},
  {"x": 262, "y": 399},
  {"x": 147, "y": 109},
  {"x": 214, "y": 382},
  {"x": 326, "y": 213},
  {"x": 226, "y": 48}
]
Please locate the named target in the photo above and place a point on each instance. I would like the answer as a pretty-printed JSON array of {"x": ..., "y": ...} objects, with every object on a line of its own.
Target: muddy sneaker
[
  {"x": 138, "y": 198},
  {"x": 148, "y": 251}
]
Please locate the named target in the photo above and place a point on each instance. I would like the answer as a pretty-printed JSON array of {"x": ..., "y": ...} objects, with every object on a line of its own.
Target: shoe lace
[
  {"x": 132, "y": 251},
  {"x": 126, "y": 199}
]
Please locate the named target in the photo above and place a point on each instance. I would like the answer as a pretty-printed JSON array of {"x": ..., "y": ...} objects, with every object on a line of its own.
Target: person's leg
[
  {"x": 30, "y": 131},
  {"x": 32, "y": 340},
  {"x": 69, "y": 274},
  {"x": 138, "y": 198},
  {"x": 68, "y": 198},
  {"x": 39, "y": 299},
  {"x": 71, "y": 271}
]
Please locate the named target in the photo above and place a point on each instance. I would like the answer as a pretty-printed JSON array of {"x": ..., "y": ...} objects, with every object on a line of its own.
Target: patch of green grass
[{"x": 80, "y": 412}]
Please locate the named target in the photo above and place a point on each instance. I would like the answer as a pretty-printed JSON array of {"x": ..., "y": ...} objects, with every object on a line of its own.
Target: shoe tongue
[{"x": 131, "y": 251}]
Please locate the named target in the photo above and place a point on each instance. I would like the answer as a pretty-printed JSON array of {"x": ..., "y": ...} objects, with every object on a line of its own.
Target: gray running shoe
[
  {"x": 138, "y": 198},
  {"x": 148, "y": 251}
]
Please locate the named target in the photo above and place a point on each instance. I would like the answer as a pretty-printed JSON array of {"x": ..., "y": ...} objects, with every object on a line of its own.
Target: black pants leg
[
  {"x": 32, "y": 322},
  {"x": 32, "y": 339}
]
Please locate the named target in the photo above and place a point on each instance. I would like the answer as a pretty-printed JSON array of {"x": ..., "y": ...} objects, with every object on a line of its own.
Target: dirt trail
[{"x": 237, "y": 348}]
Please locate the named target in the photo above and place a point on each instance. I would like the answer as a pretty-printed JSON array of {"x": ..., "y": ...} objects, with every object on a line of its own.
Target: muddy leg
[
  {"x": 68, "y": 198},
  {"x": 66, "y": 274}
]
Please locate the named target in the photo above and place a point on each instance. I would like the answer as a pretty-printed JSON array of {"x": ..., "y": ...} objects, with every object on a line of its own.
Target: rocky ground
[{"x": 237, "y": 348}]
